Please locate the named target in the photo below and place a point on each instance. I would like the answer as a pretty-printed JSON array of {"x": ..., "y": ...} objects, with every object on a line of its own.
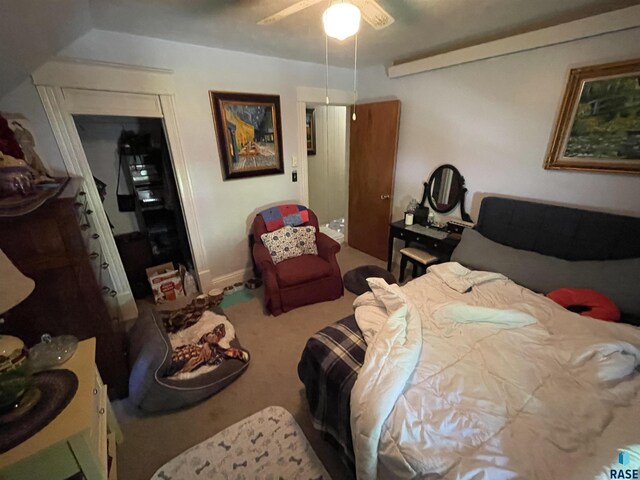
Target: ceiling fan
[{"x": 372, "y": 12}]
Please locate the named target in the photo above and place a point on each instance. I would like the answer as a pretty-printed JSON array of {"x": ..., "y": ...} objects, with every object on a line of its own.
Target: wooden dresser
[{"x": 54, "y": 245}]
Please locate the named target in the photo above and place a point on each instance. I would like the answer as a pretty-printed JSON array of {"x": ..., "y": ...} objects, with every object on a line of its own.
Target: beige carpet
[{"x": 275, "y": 344}]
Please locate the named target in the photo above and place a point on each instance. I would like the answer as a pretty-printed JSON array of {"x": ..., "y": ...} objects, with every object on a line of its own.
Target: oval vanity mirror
[{"x": 445, "y": 188}]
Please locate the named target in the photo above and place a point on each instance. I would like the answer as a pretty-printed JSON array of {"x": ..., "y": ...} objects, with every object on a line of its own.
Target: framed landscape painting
[
  {"x": 598, "y": 126},
  {"x": 249, "y": 133}
]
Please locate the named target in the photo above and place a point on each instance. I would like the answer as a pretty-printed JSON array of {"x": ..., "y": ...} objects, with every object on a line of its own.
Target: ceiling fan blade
[
  {"x": 374, "y": 14},
  {"x": 295, "y": 8}
]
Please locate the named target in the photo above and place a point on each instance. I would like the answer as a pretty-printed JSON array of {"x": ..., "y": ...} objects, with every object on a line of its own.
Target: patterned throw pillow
[
  {"x": 282, "y": 244},
  {"x": 306, "y": 240}
]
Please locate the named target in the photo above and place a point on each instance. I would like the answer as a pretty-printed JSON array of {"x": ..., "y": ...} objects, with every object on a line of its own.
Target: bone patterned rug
[{"x": 267, "y": 445}]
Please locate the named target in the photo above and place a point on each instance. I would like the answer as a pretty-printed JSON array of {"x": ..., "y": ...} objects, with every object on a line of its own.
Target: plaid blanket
[
  {"x": 328, "y": 368},
  {"x": 277, "y": 217}
]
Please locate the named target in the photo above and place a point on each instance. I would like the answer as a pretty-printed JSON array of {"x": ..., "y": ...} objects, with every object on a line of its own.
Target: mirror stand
[
  {"x": 463, "y": 213},
  {"x": 444, "y": 190}
]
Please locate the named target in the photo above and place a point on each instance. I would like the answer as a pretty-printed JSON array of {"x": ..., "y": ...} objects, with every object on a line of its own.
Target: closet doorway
[
  {"x": 134, "y": 176},
  {"x": 70, "y": 88},
  {"x": 327, "y": 167}
]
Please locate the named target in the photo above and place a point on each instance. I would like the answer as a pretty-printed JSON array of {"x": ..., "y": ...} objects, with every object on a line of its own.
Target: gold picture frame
[
  {"x": 249, "y": 133},
  {"x": 598, "y": 125}
]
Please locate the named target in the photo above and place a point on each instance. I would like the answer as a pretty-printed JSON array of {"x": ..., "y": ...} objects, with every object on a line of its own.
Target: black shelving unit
[{"x": 149, "y": 175}]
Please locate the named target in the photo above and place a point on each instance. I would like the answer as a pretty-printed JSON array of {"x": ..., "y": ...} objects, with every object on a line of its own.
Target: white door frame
[
  {"x": 69, "y": 87},
  {"x": 317, "y": 96}
]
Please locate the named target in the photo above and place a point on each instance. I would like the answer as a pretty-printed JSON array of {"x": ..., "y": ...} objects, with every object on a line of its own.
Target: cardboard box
[{"x": 165, "y": 282}]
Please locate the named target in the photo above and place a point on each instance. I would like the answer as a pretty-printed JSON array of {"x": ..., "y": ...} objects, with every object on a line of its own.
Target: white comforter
[{"x": 494, "y": 383}]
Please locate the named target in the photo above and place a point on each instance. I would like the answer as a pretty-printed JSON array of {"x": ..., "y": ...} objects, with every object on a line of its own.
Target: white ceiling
[
  {"x": 422, "y": 26},
  {"x": 33, "y": 30}
]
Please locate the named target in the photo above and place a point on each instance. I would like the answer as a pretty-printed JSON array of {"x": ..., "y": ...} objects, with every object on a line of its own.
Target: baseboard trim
[
  {"x": 231, "y": 278},
  {"x": 204, "y": 279},
  {"x": 128, "y": 307}
]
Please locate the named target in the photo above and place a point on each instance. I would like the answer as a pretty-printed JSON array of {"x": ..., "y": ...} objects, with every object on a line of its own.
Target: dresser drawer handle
[
  {"x": 104, "y": 265},
  {"x": 93, "y": 255},
  {"x": 95, "y": 391},
  {"x": 88, "y": 211},
  {"x": 113, "y": 293},
  {"x": 78, "y": 204},
  {"x": 82, "y": 193},
  {"x": 95, "y": 236},
  {"x": 101, "y": 411},
  {"x": 85, "y": 226}
]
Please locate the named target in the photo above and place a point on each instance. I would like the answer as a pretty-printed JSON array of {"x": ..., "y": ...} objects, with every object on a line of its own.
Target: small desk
[
  {"x": 438, "y": 242},
  {"x": 78, "y": 439}
]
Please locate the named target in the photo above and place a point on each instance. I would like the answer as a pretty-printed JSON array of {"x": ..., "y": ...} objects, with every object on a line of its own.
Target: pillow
[
  {"x": 189, "y": 360},
  {"x": 617, "y": 279},
  {"x": 586, "y": 302},
  {"x": 306, "y": 239},
  {"x": 282, "y": 244}
]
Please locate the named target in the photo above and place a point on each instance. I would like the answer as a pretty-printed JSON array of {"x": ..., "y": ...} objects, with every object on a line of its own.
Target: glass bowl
[{"x": 52, "y": 351}]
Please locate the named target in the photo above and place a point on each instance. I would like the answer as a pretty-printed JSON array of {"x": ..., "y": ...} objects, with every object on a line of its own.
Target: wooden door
[{"x": 372, "y": 165}]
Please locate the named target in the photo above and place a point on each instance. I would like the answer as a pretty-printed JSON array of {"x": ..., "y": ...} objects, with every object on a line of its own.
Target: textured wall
[
  {"x": 225, "y": 209},
  {"x": 493, "y": 119}
]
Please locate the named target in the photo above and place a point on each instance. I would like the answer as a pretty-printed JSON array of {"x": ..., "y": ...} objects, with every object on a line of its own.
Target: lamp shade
[
  {"x": 14, "y": 286},
  {"x": 341, "y": 20}
]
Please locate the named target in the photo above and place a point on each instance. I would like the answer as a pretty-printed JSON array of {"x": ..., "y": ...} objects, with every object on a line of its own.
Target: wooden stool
[{"x": 420, "y": 259}]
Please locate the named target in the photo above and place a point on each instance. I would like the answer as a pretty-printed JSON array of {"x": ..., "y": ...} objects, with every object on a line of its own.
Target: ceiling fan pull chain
[
  {"x": 326, "y": 61},
  {"x": 326, "y": 92},
  {"x": 355, "y": 77}
]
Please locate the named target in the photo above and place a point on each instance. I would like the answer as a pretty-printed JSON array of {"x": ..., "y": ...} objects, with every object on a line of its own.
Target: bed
[{"x": 332, "y": 359}]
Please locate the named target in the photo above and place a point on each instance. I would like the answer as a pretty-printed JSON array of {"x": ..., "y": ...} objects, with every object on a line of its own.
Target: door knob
[{"x": 384, "y": 197}]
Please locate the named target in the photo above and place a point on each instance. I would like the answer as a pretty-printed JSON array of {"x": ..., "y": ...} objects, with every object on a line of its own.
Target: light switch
[
  {"x": 294, "y": 161},
  {"x": 294, "y": 176}
]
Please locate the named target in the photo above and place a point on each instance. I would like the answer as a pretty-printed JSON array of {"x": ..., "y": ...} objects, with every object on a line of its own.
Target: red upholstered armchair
[{"x": 298, "y": 281}]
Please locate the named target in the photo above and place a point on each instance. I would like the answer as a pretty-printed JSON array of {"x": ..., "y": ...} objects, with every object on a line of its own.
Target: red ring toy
[{"x": 587, "y": 302}]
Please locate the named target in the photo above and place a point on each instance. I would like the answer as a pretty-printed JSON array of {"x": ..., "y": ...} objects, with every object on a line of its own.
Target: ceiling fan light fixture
[{"x": 341, "y": 20}]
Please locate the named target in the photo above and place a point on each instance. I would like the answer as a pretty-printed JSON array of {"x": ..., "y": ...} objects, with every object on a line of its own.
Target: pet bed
[
  {"x": 268, "y": 444},
  {"x": 150, "y": 387}
]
